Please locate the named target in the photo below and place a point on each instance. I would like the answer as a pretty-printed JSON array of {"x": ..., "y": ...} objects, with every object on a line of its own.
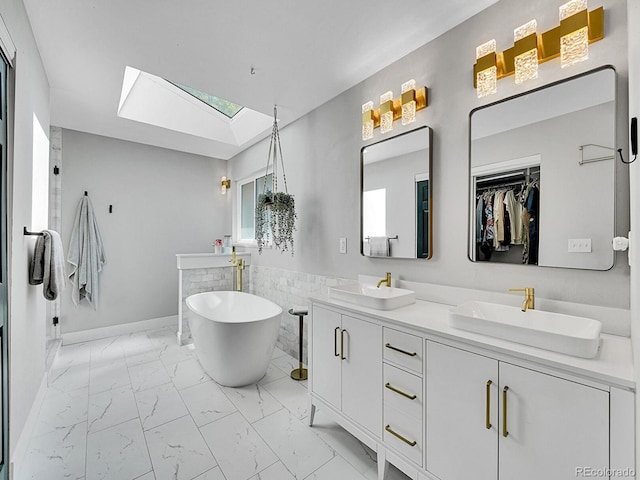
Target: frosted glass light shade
[
  {"x": 574, "y": 47},
  {"x": 367, "y": 121},
  {"x": 525, "y": 30},
  {"x": 571, "y": 8},
  {"x": 408, "y": 102},
  {"x": 487, "y": 79},
  {"x": 487, "y": 82},
  {"x": 526, "y": 63},
  {"x": 386, "y": 112},
  {"x": 486, "y": 48}
]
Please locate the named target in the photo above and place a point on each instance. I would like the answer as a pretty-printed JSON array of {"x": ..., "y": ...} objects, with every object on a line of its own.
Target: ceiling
[{"x": 303, "y": 52}]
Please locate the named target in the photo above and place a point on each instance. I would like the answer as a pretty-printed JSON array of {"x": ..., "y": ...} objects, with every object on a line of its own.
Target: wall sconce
[
  {"x": 225, "y": 183},
  {"x": 391, "y": 109},
  {"x": 569, "y": 41}
]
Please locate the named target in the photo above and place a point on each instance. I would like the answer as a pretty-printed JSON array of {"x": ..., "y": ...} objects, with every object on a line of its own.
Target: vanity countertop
[{"x": 613, "y": 365}]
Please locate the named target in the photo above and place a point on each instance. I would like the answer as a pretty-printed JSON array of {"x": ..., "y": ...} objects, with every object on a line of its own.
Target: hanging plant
[{"x": 275, "y": 211}]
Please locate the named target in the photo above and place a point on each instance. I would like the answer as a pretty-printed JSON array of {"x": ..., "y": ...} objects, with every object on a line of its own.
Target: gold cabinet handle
[
  {"x": 505, "y": 432},
  {"x": 335, "y": 342},
  {"x": 411, "y": 354},
  {"x": 342, "y": 332},
  {"x": 397, "y": 435},
  {"x": 400, "y": 392},
  {"x": 488, "y": 401}
]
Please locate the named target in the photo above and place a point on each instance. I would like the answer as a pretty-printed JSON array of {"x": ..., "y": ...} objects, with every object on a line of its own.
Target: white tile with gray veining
[
  {"x": 213, "y": 474},
  {"x": 253, "y": 401},
  {"x": 239, "y": 449},
  {"x": 290, "y": 394},
  {"x": 299, "y": 448},
  {"x": 178, "y": 451},
  {"x": 106, "y": 376},
  {"x": 111, "y": 407},
  {"x": 206, "y": 402},
  {"x": 160, "y": 405},
  {"x": 187, "y": 373},
  {"x": 253, "y": 432},
  {"x": 277, "y": 471},
  {"x": 62, "y": 409},
  {"x": 117, "y": 453},
  {"x": 58, "y": 454},
  {"x": 148, "y": 375}
]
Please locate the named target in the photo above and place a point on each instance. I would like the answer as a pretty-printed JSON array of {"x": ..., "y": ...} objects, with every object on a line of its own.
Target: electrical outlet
[
  {"x": 343, "y": 244},
  {"x": 579, "y": 245}
]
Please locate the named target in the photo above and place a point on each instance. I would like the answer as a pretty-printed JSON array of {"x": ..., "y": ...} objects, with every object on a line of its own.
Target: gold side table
[{"x": 299, "y": 373}]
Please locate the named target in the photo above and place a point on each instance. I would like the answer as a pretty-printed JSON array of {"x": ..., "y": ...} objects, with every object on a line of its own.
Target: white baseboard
[
  {"x": 17, "y": 456},
  {"x": 122, "y": 329}
]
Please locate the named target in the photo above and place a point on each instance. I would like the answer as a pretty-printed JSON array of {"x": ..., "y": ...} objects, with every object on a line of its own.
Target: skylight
[
  {"x": 225, "y": 107},
  {"x": 153, "y": 100}
]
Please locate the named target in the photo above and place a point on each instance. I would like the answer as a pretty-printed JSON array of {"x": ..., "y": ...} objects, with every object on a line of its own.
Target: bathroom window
[{"x": 248, "y": 193}]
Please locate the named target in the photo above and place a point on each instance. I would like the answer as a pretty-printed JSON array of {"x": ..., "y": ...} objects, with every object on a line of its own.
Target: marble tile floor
[{"x": 138, "y": 407}]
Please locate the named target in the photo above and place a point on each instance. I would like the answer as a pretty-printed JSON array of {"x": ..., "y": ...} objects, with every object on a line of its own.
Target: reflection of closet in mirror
[
  {"x": 507, "y": 213},
  {"x": 396, "y": 191},
  {"x": 568, "y": 129}
]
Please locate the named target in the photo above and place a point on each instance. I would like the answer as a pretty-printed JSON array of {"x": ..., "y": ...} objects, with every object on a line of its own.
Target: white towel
[
  {"x": 379, "y": 246},
  {"x": 47, "y": 266},
  {"x": 86, "y": 255}
]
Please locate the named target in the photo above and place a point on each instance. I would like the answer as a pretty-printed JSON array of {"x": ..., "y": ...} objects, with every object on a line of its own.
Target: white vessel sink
[
  {"x": 383, "y": 298},
  {"x": 577, "y": 336}
]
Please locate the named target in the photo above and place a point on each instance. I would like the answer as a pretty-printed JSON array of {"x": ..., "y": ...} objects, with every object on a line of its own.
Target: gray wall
[
  {"x": 164, "y": 202},
  {"x": 26, "y": 303},
  {"x": 322, "y": 162}
]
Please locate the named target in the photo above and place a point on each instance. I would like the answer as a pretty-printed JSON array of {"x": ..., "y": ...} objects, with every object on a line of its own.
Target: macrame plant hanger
[
  {"x": 275, "y": 150},
  {"x": 279, "y": 222}
]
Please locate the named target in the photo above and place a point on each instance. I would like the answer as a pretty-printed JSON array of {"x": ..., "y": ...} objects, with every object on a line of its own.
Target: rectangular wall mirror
[
  {"x": 542, "y": 176},
  {"x": 396, "y": 196}
]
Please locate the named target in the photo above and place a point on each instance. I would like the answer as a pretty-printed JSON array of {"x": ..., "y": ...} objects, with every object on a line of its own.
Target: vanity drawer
[
  {"x": 403, "y": 433},
  {"x": 403, "y": 391},
  {"x": 403, "y": 349}
]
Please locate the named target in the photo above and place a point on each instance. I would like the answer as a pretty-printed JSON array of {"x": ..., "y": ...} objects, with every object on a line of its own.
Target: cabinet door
[
  {"x": 362, "y": 373},
  {"x": 554, "y": 426},
  {"x": 325, "y": 366},
  {"x": 459, "y": 445}
]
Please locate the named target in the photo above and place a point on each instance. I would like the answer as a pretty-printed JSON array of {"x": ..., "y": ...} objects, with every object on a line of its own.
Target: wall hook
[{"x": 623, "y": 160}]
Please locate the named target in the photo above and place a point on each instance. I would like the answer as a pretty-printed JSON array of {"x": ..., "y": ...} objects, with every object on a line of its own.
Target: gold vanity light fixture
[
  {"x": 225, "y": 183},
  {"x": 569, "y": 41},
  {"x": 391, "y": 109}
]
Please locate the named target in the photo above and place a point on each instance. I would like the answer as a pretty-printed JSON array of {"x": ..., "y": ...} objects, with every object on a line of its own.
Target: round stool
[{"x": 299, "y": 373}]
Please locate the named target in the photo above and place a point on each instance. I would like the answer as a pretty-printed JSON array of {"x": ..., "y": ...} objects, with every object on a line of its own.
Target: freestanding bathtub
[{"x": 234, "y": 334}]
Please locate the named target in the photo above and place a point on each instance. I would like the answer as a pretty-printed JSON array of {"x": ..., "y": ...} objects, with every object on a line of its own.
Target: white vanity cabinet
[
  {"x": 488, "y": 419},
  {"x": 346, "y": 363},
  {"x": 442, "y": 406}
]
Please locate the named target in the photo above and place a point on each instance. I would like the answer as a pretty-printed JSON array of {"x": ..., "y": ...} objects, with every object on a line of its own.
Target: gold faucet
[
  {"x": 529, "y": 297},
  {"x": 386, "y": 280},
  {"x": 239, "y": 264}
]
